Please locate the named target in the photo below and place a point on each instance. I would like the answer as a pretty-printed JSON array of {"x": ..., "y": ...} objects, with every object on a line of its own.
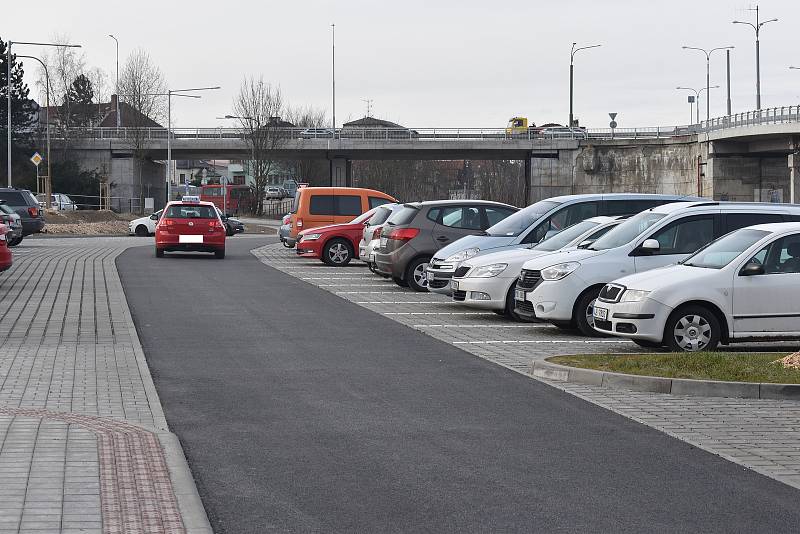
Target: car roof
[
  {"x": 603, "y": 219},
  {"x": 182, "y": 203},
  {"x": 777, "y": 227},
  {"x": 673, "y": 207},
  {"x": 622, "y": 196},
  {"x": 427, "y": 203}
]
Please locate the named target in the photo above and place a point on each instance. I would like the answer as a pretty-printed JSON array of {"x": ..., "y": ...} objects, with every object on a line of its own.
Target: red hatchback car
[
  {"x": 336, "y": 244},
  {"x": 5, "y": 252},
  {"x": 190, "y": 226}
]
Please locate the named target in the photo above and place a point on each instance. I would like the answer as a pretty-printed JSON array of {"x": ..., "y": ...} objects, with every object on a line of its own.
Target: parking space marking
[
  {"x": 364, "y": 292},
  {"x": 402, "y": 302},
  {"x": 537, "y": 325},
  {"x": 438, "y": 313},
  {"x": 537, "y": 341}
]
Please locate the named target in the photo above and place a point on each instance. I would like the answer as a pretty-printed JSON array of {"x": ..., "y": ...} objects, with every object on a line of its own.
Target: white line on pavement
[
  {"x": 537, "y": 341},
  {"x": 402, "y": 302},
  {"x": 364, "y": 292},
  {"x": 438, "y": 313},
  {"x": 538, "y": 325}
]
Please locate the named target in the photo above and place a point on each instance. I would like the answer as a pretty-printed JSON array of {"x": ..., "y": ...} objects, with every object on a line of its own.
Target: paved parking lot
[{"x": 763, "y": 435}]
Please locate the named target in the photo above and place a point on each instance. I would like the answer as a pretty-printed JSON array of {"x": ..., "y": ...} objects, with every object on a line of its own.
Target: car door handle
[{"x": 442, "y": 238}]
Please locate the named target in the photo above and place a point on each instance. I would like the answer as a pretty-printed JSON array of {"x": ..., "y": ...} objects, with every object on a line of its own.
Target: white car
[
  {"x": 58, "y": 201},
  {"x": 144, "y": 226},
  {"x": 561, "y": 288},
  {"x": 744, "y": 286},
  {"x": 487, "y": 281}
]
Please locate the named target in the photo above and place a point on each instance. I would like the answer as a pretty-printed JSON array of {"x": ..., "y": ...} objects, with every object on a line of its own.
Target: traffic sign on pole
[{"x": 36, "y": 159}]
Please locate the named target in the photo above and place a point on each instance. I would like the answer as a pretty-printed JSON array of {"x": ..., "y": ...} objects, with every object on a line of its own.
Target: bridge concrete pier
[{"x": 341, "y": 171}]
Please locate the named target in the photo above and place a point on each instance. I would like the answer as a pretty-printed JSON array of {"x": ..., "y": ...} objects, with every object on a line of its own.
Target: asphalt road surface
[{"x": 301, "y": 412}]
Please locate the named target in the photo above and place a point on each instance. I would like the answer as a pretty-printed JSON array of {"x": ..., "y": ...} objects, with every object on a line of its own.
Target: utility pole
[
  {"x": 571, "y": 76},
  {"x": 369, "y": 102},
  {"x": 116, "y": 90},
  {"x": 757, "y": 28},
  {"x": 728, "y": 73},
  {"x": 333, "y": 74},
  {"x": 708, "y": 73}
]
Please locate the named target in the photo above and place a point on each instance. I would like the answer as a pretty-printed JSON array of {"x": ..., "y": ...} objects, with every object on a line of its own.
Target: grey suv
[
  {"x": 25, "y": 204},
  {"x": 413, "y": 234}
]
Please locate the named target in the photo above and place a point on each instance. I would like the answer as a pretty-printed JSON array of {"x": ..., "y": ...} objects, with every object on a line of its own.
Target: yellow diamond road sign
[{"x": 36, "y": 158}]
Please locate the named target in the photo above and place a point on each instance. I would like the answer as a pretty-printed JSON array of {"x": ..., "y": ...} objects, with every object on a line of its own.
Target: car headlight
[
  {"x": 310, "y": 237},
  {"x": 463, "y": 255},
  {"x": 559, "y": 271},
  {"x": 633, "y": 295},
  {"x": 487, "y": 271}
]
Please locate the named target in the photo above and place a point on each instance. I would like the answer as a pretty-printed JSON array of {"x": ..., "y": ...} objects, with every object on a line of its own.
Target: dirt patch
[{"x": 87, "y": 222}]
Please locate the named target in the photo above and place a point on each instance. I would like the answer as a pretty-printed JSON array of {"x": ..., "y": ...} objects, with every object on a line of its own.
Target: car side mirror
[
  {"x": 650, "y": 245},
  {"x": 587, "y": 243},
  {"x": 752, "y": 269},
  {"x": 154, "y": 217}
]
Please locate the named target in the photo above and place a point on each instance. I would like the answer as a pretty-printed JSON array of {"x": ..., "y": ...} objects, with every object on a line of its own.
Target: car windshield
[
  {"x": 724, "y": 250},
  {"x": 518, "y": 222},
  {"x": 191, "y": 211},
  {"x": 566, "y": 236},
  {"x": 627, "y": 231},
  {"x": 380, "y": 216},
  {"x": 5, "y": 209},
  {"x": 361, "y": 218}
]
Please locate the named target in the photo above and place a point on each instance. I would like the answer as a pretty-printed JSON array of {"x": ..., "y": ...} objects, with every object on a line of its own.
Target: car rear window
[
  {"x": 380, "y": 216},
  {"x": 403, "y": 216},
  {"x": 14, "y": 198},
  {"x": 5, "y": 209},
  {"x": 187, "y": 211}
]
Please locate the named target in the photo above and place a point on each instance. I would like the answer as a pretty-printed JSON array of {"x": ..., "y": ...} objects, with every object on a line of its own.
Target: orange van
[{"x": 319, "y": 206}]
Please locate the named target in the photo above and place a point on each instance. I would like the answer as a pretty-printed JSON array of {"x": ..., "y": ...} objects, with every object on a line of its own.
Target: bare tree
[
  {"x": 259, "y": 107},
  {"x": 142, "y": 88},
  {"x": 65, "y": 65}
]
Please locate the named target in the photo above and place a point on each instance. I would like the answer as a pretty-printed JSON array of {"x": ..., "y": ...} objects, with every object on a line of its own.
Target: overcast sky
[{"x": 443, "y": 63}]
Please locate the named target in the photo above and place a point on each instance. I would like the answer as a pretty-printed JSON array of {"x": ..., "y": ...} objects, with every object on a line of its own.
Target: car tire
[
  {"x": 564, "y": 325},
  {"x": 159, "y": 253},
  {"x": 337, "y": 252},
  {"x": 219, "y": 254},
  {"x": 229, "y": 231},
  {"x": 647, "y": 344},
  {"x": 692, "y": 329},
  {"x": 510, "y": 305},
  {"x": 15, "y": 242},
  {"x": 399, "y": 281},
  {"x": 583, "y": 314},
  {"x": 287, "y": 245},
  {"x": 141, "y": 231},
  {"x": 415, "y": 274}
]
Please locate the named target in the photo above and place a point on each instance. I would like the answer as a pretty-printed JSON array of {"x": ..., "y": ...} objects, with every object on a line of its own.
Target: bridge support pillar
[
  {"x": 794, "y": 171},
  {"x": 527, "y": 181},
  {"x": 341, "y": 172}
]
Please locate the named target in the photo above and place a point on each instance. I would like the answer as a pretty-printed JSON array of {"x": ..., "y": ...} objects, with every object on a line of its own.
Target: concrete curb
[
  {"x": 655, "y": 384},
  {"x": 193, "y": 512}
]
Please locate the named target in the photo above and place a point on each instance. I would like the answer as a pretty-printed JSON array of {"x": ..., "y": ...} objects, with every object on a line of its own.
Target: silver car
[{"x": 371, "y": 239}]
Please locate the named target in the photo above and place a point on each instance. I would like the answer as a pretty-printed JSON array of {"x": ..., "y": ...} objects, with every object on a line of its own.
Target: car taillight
[
  {"x": 33, "y": 212},
  {"x": 376, "y": 234},
  {"x": 403, "y": 234}
]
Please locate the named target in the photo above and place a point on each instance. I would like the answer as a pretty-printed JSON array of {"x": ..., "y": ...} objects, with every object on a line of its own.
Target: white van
[{"x": 561, "y": 288}]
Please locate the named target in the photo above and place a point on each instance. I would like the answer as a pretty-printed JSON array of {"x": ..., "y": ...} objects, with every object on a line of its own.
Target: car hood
[
  {"x": 562, "y": 256},
  {"x": 140, "y": 220},
  {"x": 483, "y": 242},
  {"x": 670, "y": 275},
  {"x": 516, "y": 256}
]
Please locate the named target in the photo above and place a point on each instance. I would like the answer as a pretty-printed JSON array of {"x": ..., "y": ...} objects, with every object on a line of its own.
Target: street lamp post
[
  {"x": 708, "y": 72},
  {"x": 119, "y": 123},
  {"x": 8, "y": 92},
  {"x": 697, "y": 96},
  {"x": 571, "y": 71},
  {"x": 49, "y": 185},
  {"x": 757, "y": 28},
  {"x": 333, "y": 74}
]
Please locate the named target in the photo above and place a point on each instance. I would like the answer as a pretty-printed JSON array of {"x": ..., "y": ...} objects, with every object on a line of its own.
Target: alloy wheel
[
  {"x": 338, "y": 253},
  {"x": 419, "y": 275}
]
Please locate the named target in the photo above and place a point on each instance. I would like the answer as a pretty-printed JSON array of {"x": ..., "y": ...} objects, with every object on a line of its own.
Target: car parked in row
[
  {"x": 413, "y": 234},
  {"x": 26, "y": 206},
  {"x": 13, "y": 221},
  {"x": 58, "y": 201},
  {"x": 6, "y": 258},
  {"x": 487, "y": 280},
  {"x": 562, "y": 288},
  {"x": 321, "y": 206},
  {"x": 534, "y": 223},
  {"x": 744, "y": 286},
  {"x": 190, "y": 225},
  {"x": 275, "y": 192},
  {"x": 371, "y": 235},
  {"x": 335, "y": 244}
]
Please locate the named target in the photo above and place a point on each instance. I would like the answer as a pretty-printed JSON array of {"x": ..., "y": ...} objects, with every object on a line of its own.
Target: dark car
[
  {"x": 13, "y": 221},
  {"x": 25, "y": 204},
  {"x": 413, "y": 234},
  {"x": 233, "y": 226}
]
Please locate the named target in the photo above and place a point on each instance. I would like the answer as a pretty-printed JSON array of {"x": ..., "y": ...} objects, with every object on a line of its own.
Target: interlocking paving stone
[
  {"x": 763, "y": 435},
  {"x": 77, "y": 453}
]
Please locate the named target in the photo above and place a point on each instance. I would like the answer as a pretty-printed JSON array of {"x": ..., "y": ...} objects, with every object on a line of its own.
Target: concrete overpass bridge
[{"x": 739, "y": 157}]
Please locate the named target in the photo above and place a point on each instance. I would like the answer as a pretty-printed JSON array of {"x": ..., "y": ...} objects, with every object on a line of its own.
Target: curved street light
[
  {"x": 571, "y": 70},
  {"x": 708, "y": 53},
  {"x": 757, "y": 28},
  {"x": 697, "y": 97}
]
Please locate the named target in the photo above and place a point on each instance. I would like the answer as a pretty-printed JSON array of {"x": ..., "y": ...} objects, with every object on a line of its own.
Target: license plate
[
  {"x": 454, "y": 285},
  {"x": 429, "y": 275},
  {"x": 384, "y": 242},
  {"x": 600, "y": 313},
  {"x": 190, "y": 239},
  {"x": 372, "y": 258},
  {"x": 519, "y": 294}
]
